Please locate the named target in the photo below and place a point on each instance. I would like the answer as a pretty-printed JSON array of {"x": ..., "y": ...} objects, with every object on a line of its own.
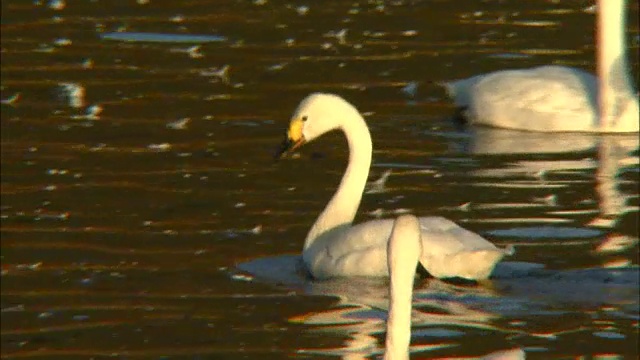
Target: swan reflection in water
[
  {"x": 557, "y": 164},
  {"x": 510, "y": 309}
]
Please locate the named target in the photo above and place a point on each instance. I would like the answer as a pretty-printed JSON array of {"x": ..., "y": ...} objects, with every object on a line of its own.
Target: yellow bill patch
[{"x": 295, "y": 130}]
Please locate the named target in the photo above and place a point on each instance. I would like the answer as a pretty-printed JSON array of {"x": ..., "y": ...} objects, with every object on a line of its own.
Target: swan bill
[
  {"x": 287, "y": 146},
  {"x": 293, "y": 140}
]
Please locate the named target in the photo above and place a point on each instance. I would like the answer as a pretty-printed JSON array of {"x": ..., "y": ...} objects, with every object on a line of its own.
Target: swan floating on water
[
  {"x": 559, "y": 98},
  {"x": 336, "y": 248}
]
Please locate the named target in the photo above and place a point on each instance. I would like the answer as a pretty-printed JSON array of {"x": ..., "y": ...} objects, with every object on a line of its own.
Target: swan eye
[{"x": 304, "y": 118}]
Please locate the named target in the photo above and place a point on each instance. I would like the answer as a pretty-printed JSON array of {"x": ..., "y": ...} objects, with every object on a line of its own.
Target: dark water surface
[{"x": 139, "y": 197}]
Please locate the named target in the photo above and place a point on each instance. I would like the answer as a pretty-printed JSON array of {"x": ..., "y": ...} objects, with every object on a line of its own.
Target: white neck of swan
[
  {"x": 403, "y": 252},
  {"x": 617, "y": 100},
  {"x": 342, "y": 208}
]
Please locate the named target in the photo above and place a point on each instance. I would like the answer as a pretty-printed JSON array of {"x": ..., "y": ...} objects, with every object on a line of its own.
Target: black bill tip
[{"x": 283, "y": 148}]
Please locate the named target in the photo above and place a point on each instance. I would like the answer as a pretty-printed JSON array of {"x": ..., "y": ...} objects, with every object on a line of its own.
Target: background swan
[
  {"x": 335, "y": 248},
  {"x": 559, "y": 98}
]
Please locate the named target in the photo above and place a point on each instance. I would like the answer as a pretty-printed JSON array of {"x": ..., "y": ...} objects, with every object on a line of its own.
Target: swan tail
[{"x": 471, "y": 265}]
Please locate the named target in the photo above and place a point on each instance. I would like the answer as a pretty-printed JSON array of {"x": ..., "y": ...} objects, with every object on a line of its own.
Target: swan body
[
  {"x": 336, "y": 248},
  {"x": 559, "y": 98}
]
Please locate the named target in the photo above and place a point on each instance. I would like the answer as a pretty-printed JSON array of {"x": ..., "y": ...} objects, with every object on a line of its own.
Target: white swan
[
  {"x": 335, "y": 248},
  {"x": 559, "y": 98}
]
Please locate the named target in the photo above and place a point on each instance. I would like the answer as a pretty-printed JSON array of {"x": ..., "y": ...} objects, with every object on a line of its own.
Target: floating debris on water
[
  {"x": 180, "y": 124},
  {"x": 177, "y": 18},
  {"x": 62, "y": 42},
  {"x": 374, "y": 34},
  {"x": 535, "y": 23},
  {"x": 302, "y": 10},
  {"x": 92, "y": 113},
  {"x": 44, "y": 48},
  {"x": 277, "y": 67},
  {"x": 45, "y": 315},
  {"x": 216, "y": 97},
  {"x": 256, "y": 230},
  {"x": 98, "y": 147},
  {"x": 221, "y": 73},
  {"x": 464, "y": 207},
  {"x": 411, "y": 89},
  {"x": 57, "y": 4},
  {"x": 193, "y": 51},
  {"x": 551, "y": 200},
  {"x": 73, "y": 93},
  {"x": 159, "y": 147},
  {"x": 34, "y": 266},
  {"x": 159, "y": 37},
  {"x": 17, "y": 308},
  {"x": 378, "y": 186},
  {"x": 87, "y": 64},
  {"x": 52, "y": 216},
  {"x": 242, "y": 277},
  {"x": 341, "y": 36},
  {"x": 11, "y": 100}
]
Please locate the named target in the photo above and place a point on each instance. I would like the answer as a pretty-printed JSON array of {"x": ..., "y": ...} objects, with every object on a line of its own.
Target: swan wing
[
  {"x": 442, "y": 237},
  {"x": 449, "y": 251},
  {"x": 360, "y": 250}
]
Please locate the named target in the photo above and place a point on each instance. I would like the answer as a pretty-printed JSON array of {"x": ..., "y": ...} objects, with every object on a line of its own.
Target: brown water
[{"x": 141, "y": 231}]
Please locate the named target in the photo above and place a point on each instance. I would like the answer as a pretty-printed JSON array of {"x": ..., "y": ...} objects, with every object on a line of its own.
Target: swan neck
[
  {"x": 403, "y": 251},
  {"x": 614, "y": 83},
  {"x": 342, "y": 207}
]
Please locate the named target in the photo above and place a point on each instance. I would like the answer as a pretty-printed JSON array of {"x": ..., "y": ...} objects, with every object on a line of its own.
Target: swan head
[{"x": 316, "y": 114}]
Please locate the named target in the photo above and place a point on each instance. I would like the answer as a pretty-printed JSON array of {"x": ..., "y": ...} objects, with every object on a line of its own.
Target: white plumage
[{"x": 559, "y": 98}]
